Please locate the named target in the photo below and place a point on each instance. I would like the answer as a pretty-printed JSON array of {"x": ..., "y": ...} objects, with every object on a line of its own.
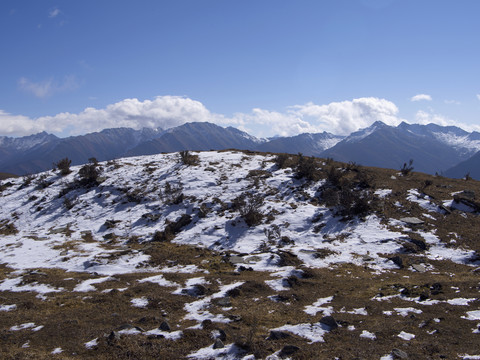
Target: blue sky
[{"x": 266, "y": 66}]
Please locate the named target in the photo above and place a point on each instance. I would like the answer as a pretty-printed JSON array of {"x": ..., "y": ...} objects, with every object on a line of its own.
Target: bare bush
[
  {"x": 248, "y": 205},
  {"x": 187, "y": 158},
  {"x": 407, "y": 169}
]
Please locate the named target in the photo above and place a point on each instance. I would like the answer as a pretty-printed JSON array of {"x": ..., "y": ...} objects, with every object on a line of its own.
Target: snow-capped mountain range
[{"x": 447, "y": 150}]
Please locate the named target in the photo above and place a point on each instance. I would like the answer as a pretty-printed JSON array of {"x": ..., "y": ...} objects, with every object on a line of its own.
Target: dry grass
[{"x": 71, "y": 319}]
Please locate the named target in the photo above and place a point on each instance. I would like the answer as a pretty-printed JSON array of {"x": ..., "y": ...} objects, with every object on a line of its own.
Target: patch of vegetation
[
  {"x": 407, "y": 168},
  {"x": 188, "y": 158},
  {"x": 63, "y": 166},
  {"x": 7, "y": 228},
  {"x": 248, "y": 204}
]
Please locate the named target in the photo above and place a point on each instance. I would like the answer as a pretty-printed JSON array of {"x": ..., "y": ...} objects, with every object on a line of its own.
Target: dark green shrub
[
  {"x": 307, "y": 168},
  {"x": 64, "y": 166}
]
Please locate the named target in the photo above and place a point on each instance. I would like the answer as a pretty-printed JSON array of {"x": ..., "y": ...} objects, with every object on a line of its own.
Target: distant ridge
[{"x": 433, "y": 148}]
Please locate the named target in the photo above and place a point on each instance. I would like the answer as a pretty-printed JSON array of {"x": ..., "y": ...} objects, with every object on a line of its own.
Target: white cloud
[
  {"x": 169, "y": 111},
  {"x": 337, "y": 117},
  {"x": 478, "y": 96},
  {"x": 47, "y": 87},
  {"x": 163, "y": 111},
  {"x": 54, "y": 12},
  {"x": 421, "y": 97},
  {"x": 424, "y": 118}
]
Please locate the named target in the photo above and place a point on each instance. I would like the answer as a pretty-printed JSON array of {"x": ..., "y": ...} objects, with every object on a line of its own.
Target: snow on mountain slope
[
  {"x": 141, "y": 196},
  {"x": 101, "y": 268}
]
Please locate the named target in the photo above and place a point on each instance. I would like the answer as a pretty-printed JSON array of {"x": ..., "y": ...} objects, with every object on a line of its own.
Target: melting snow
[
  {"x": 368, "y": 335},
  {"x": 317, "y": 307},
  {"x": 139, "y": 302},
  {"x": 406, "y": 336}
]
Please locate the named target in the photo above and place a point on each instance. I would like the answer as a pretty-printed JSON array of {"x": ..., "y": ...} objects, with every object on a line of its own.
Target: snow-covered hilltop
[{"x": 285, "y": 218}]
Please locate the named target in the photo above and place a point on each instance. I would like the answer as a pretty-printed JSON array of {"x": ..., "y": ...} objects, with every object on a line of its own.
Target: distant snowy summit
[{"x": 446, "y": 150}]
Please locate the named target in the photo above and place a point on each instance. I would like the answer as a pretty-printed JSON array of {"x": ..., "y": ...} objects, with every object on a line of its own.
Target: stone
[
  {"x": 419, "y": 268},
  {"x": 329, "y": 322},
  {"x": 223, "y": 302},
  {"x": 253, "y": 259},
  {"x": 277, "y": 335},
  {"x": 234, "y": 259},
  {"x": 218, "y": 344},
  {"x": 399, "y": 354},
  {"x": 125, "y": 327},
  {"x": 412, "y": 221},
  {"x": 397, "y": 260},
  {"x": 164, "y": 326},
  {"x": 113, "y": 336}
]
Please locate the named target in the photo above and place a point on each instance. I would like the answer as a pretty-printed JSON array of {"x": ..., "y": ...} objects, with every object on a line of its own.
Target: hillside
[{"x": 238, "y": 255}]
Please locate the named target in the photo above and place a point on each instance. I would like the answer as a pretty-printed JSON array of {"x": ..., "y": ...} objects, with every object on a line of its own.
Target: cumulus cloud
[
  {"x": 421, "y": 97},
  {"x": 47, "y": 87},
  {"x": 337, "y": 117},
  {"x": 163, "y": 112},
  {"x": 168, "y": 111}
]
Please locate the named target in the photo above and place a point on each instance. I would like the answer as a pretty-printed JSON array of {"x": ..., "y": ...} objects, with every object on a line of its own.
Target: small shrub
[
  {"x": 307, "y": 168},
  {"x": 69, "y": 204},
  {"x": 64, "y": 166},
  {"x": 281, "y": 161},
  {"x": 407, "y": 169},
  {"x": 249, "y": 204},
  {"x": 89, "y": 174},
  {"x": 334, "y": 176},
  {"x": 172, "y": 229},
  {"x": 27, "y": 180},
  {"x": 173, "y": 194},
  {"x": 187, "y": 158}
]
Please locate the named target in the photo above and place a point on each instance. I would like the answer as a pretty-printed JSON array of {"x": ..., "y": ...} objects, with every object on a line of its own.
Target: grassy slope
[{"x": 71, "y": 318}]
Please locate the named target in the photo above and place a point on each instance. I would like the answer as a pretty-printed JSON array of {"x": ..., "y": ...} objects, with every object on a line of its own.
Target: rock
[
  {"x": 419, "y": 268},
  {"x": 88, "y": 264},
  {"x": 412, "y": 221},
  {"x": 235, "y": 318},
  {"x": 397, "y": 260},
  {"x": 195, "y": 290},
  {"x": 113, "y": 336},
  {"x": 218, "y": 344},
  {"x": 234, "y": 259},
  {"x": 109, "y": 236},
  {"x": 288, "y": 350},
  {"x": 207, "y": 323},
  {"x": 223, "y": 302},
  {"x": 125, "y": 327},
  {"x": 164, "y": 326},
  {"x": 420, "y": 243},
  {"x": 277, "y": 335},
  {"x": 436, "y": 289},
  {"x": 329, "y": 322},
  {"x": 140, "y": 328},
  {"x": 253, "y": 259},
  {"x": 399, "y": 354},
  {"x": 219, "y": 334}
]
